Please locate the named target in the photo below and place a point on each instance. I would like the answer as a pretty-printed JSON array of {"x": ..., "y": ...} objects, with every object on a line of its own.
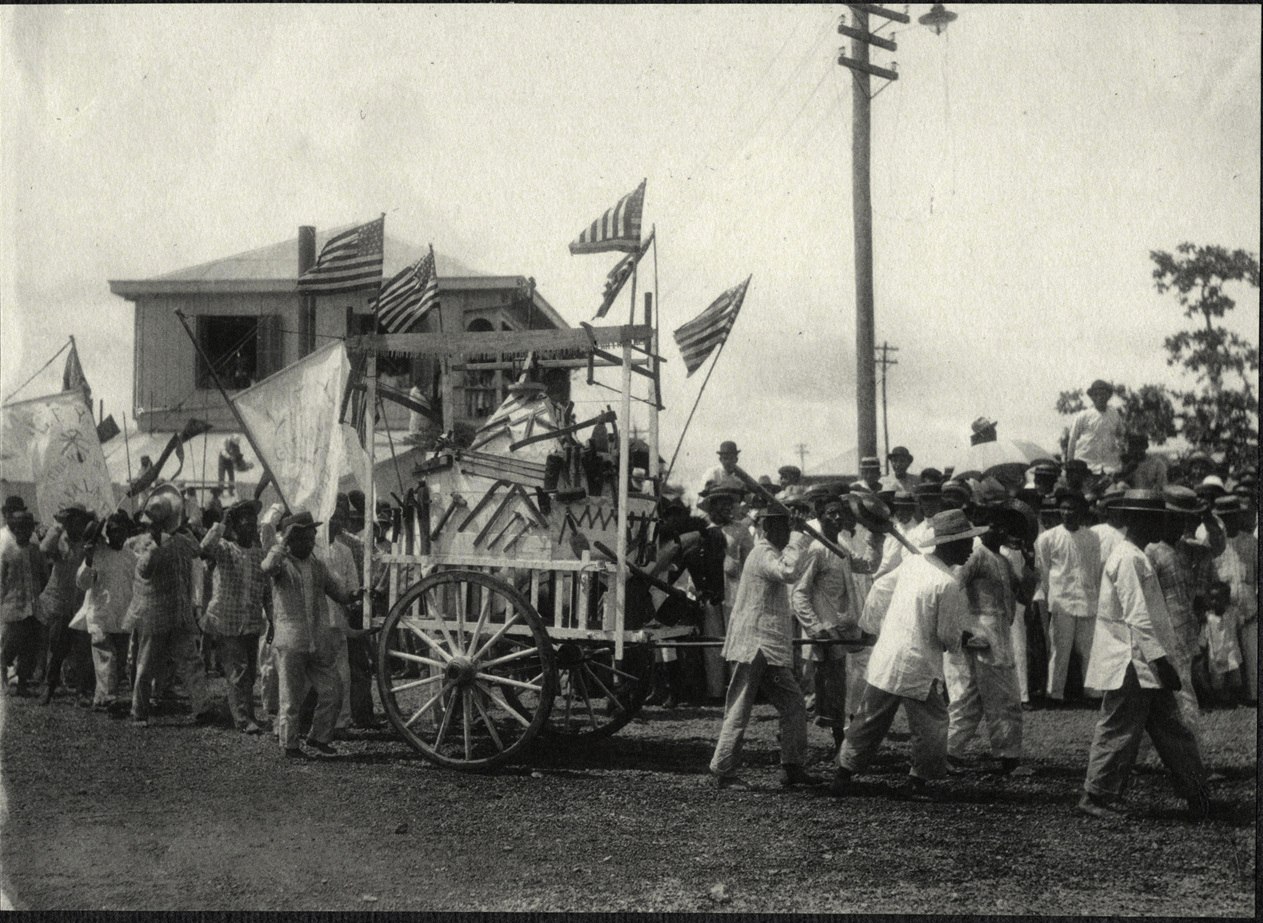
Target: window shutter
[{"x": 268, "y": 352}]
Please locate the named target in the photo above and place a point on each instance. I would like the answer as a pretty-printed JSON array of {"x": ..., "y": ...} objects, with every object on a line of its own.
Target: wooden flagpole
[
  {"x": 210, "y": 367},
  {"x": 40, "y": 369},
  {"x": 654, "y": 471}
]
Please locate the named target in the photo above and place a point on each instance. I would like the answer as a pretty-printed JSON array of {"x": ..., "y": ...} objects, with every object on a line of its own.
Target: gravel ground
[{"x": 101, "y": 815}]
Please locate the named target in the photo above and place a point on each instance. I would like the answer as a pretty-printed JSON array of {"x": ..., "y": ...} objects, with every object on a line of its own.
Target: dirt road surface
[{"x": 101, "y": 815}]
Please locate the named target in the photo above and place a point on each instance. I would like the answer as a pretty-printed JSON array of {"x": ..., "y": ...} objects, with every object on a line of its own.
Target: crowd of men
[
  {"x": 161, "y": 599},
  {"x": 1103, "y": 577},
  {"x": 1108, "y": 579}
]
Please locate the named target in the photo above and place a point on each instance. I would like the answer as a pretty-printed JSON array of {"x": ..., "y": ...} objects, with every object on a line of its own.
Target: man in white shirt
[
  {"x": 1097, "y": 433},
  {"x": 1131, "y": 662},
  {"x": 825, "y": 603},
  {"x": 760, "y": 650},
  {"x": 1069, "y": 560},
  {"x": 927, "y": 615},
  {"x": 728, "y": 455}
]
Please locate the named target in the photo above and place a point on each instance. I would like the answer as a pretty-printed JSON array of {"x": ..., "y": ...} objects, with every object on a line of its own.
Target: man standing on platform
[{"x": 1097, "y": 434}]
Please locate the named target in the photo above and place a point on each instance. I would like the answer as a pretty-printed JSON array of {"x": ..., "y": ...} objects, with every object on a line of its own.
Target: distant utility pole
[
  {"x": 885, "y": 361},
  {"x": 861, "y": 201},
  {"x": 802, "y": 456}
]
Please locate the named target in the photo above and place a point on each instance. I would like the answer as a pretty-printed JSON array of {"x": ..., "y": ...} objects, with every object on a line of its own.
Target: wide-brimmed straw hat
[
  {"x": 1139, "y": 500},
  {"x": 952, "y": 526}
]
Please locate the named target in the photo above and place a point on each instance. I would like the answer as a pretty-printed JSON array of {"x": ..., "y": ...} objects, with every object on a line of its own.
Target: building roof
[{"x": 274, "y": 268}]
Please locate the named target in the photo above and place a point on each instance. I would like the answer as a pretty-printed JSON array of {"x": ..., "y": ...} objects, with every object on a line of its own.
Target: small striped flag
[
  {"x": 355, "y": 399},
  {"x": 350, "y": 260},
  {"x": 709, "y": 329},
  {"x": 619, "y": 275},
  {"x": 409, "y": 296},
  {"x": 618, "y": 229}
]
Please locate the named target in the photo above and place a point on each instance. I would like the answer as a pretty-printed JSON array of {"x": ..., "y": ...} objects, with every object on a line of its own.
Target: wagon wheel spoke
[
  {"x": 565, "y": 721},
  {"x": 438, "y": 677},
  {"x": 587, "y": 702},
  {"x": 424, "y": 708},
  {"x": 434, "y": 645},
  {"x": 509, "y": 622},
  {"x": 505, "y": 681},
  {"x": 447, "y": 720},
  {"x": 614, "y": 671},
  {"x": 498, "y": 698},
  {"x": 483, "y": 612},
  {"x": 416, "y": 658},
  {"x": 441, "y": 620},
  {"x": 609, "y": 694},
  {"x": 507, "y": 658},
  {"x": 467, "y": 720},
  {"x": 486, "y": 720}
]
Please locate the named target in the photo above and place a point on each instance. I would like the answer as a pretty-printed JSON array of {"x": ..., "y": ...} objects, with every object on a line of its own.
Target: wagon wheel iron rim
[{"x": 465, "y": 669}]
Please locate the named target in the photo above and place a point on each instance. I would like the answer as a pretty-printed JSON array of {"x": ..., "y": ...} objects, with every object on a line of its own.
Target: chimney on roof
[{"x": 306, "y": 303}]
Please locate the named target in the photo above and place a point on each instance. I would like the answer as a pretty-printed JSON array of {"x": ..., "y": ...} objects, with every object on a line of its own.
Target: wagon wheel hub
[
  {"x": 461, "y": 672},
  {"x": 569, "y": 656}
]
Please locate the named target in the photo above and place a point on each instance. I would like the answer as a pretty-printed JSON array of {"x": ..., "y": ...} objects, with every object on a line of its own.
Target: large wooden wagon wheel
[
  {"x": 488, "y": 674},
  {"x": 597, "y": 695}
]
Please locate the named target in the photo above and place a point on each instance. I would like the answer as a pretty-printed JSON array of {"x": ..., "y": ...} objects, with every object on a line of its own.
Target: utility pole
[
  {"x": 885, "y": 361},
  {"x": 861, "y": 201},
  {"x": 802, "y": 456}
]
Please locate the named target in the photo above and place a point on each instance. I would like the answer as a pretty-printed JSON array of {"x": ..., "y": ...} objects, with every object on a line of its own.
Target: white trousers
[
  {"x": 979, "y": 690},
  {"x": 1067, "y": 633}
]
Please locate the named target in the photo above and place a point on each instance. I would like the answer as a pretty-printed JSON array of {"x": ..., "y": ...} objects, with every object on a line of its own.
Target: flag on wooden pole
[
  {"x": 51, "y": 441},
  {"x": 709, "y": 329},
  {"x": 72, "y": 377},
  {"x": 619, "y": 275},
  {"x": 409, "y": 296},
  {"x": 618, "y": 229},
  {"x": 350, "y": 260}
]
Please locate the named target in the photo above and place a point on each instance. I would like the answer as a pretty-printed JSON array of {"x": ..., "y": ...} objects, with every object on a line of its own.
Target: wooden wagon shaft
[
  {"x": 607, "y": 417},
  {"x": 457, "y": 501},
  {"x": 797, "y": 642}
]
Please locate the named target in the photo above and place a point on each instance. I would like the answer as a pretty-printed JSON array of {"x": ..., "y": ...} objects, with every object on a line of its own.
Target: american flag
[
  {"x": 350, "y": 260},
  {"x": 619, "y": 275},
  {"x": 355, "y": 399},
  {"x": 709, "y": 329},
  {"x": 618, "y": 229},
  {"x": 408, "y": 297}
]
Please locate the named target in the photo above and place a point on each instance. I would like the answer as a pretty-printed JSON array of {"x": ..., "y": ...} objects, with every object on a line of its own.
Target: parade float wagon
[{"x": 508, "y": 577}]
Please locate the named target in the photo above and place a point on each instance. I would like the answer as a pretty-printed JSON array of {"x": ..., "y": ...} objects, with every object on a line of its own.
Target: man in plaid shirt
[{"x": 235, "y": 613}]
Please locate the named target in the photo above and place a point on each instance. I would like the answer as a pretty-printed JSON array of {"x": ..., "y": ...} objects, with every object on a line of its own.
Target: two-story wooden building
[{"x": 250, "y": 321}]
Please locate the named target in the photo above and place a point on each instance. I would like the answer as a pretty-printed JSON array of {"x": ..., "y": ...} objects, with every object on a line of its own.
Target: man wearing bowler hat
[
  {"x": 926, "y": 616},
  {"x": 900, "y": 479},
  {"x": 728, "y": 455},
  {"x": 1132, "y": 664},
  {"x": 307, "y": 638},
  {"x": 1097, "y": 434}
]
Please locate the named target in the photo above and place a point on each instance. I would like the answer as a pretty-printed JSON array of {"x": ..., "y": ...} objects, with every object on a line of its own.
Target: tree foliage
[{"x": 1220, "y": 411}]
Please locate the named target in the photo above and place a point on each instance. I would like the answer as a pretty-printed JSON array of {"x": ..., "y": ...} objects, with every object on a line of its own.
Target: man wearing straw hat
[
  {"x": 926, "y": 616},
  {"x": 1131, "y": 663},
  {"x": 759, "y": 647}
]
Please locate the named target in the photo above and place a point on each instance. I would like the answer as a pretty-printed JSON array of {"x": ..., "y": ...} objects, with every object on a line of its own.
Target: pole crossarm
[
  {"x": 878, "y": 10},
  {"x": 868, "y": 37},
  {"x": 873, "y": 69}
]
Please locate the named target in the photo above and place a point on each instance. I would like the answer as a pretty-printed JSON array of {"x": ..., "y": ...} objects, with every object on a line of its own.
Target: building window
[
  {"x": 242, "y": 349},
  {"x": 482, "y": 389}
]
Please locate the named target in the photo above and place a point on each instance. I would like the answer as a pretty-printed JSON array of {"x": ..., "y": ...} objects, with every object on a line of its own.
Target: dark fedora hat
[
  {"x": 900, "y": 451},
  {"x": 1100, "y": 385},
  {"x": 299, "y": 520}
]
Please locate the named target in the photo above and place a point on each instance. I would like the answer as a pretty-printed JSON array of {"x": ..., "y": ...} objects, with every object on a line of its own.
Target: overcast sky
[{"x": 1024, "y": 165}]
